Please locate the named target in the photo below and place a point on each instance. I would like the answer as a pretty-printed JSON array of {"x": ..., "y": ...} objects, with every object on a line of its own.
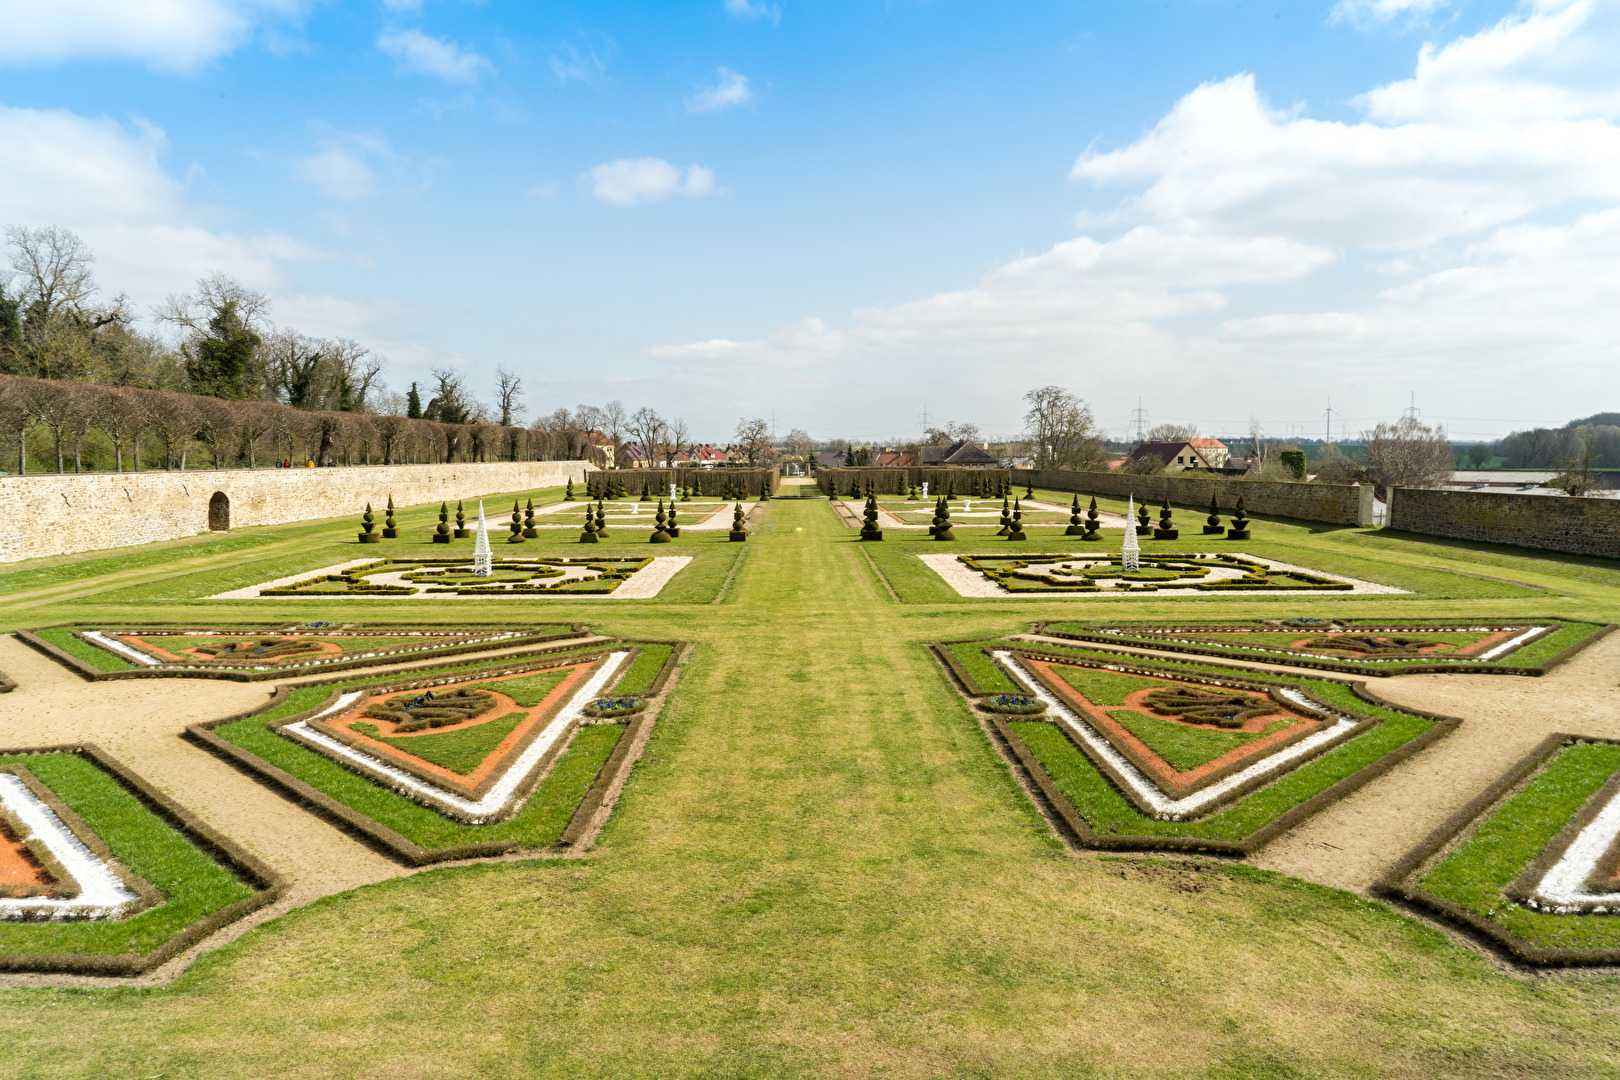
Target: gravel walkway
[{"x": 971, "y": 583}]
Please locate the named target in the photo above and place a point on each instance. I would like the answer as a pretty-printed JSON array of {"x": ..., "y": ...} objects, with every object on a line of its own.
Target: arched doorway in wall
[{"x": 219, "y": 512}]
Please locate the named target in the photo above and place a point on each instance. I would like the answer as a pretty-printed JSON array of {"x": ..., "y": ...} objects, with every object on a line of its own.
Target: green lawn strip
[
  {"x": 538, "y": 824},
  {"x": 1476, "y": 873},
  {"x": 1184, "y": 747},
  {"x": 97, "y": 657},
  {"x": 530, "y": 690},
  {"x": 1104, "y": 687},
  {"x": 1107, "y": 811},
  {"x": 1539, "y": 652},
  {"x": 193, "y": 884},
  {"x": 642, "y": 673},
  {"x": 459, "y": 751},
  {"x": 981, "y": 669}
]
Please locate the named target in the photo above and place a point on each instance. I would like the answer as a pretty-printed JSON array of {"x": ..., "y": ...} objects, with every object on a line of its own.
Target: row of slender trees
[{"x": 78, "y": 426}]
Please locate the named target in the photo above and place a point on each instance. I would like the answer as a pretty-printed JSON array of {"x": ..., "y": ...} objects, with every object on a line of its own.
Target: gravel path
[
  {"x": 643, "y": 584},
  {"x": 1353, "y": 841}
]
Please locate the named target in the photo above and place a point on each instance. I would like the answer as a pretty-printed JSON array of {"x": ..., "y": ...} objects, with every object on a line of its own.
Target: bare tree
[
  {"x": 174, "y": 421},
  {"x": 1062, "y": 431},
  {"x": 680, "y": 439},
  {"x": 508, "y": 392},
  {"x": 799, "y": 443},
  {"x": 1408, "y": 453},
  {"x": 614, "y": 421},
  {"x": 1576, "y": 478},
  {"x": 217, "y": 426},
  {"x": 648, "y": 428},
  {"x": 754, "y": 437},
  {"x": 255, "y": 420},
  {"x": 390, "y": 431},
  {"x": 1171, "y": 433},
  {"x": 114, "y": 416},
  {"x": 54, "y": 266}
]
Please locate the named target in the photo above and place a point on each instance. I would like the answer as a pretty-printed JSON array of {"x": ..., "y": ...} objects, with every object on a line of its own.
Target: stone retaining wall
[
  {"x": 1340, "y": 504},
  {"x": 1549, "y": 522},
  {"x": 51, "y": 514}
]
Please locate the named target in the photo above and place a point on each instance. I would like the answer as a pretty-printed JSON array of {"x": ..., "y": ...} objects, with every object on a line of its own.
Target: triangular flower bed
[
  {"x": 1380, "y": 647},
  {"x": 260, "y": 653},
  {"x": 1532, "y": 864},
  {"x": 102, "y": 874},
  {"x": 503, "y": 756},
  {"x": 1144, "y": 755}
]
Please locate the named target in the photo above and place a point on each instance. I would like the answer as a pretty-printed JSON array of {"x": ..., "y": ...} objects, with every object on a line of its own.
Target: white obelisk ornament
[
  {"x": 1129, "y": 555},
  {"x": 481, "y": 559}
]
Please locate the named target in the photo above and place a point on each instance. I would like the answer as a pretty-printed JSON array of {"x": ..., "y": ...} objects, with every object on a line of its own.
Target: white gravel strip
[
  {"x": 644, "y": 584},
  {"x": 120, "y": 648},
  {"x": 1563, "y": 889},
  {"x": 973, "y": 584},
  {"x": 1164, "y": 807},
  {"x": 426, "y": 792},
  {"x": 1509, "y": 646},
  {"x": 101, "y": 894}
]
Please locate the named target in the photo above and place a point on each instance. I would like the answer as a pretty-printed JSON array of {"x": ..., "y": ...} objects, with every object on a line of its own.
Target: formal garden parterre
[
  {"x": 1380, "y": 647},
  {"x": 1085, "y": 574},
  {"x": 431, "y": 578},
  {"x": 102, "y": 874},
  {"x": 480, "y": 759},
  {"x": 1161, "y": 755},
  {"x": 246, "y": 653},
  {"x": 1532, "y": 864}
]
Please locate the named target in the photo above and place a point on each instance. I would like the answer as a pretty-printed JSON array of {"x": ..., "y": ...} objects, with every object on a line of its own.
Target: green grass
[
  {"x": 984, "y": 671},
  {"x": 1184, "y": 747},
  {"x": 538, "y": 824},
  {"x": 821, "y": 867},
  {"x": 639, "y": 676},
  {"x": 1104, "y": 687},
  {"x": 459, "y": 751},
  {"x": 1109, "y": 812},
  {"x": 1476, "y": 873},
  {"x": 192, "y": 883},
  {"x": 97, "y": 657},
  {"x": 530, "y": 690}
]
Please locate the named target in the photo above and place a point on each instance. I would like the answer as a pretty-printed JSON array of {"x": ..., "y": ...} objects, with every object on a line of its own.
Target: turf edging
[
  {"x": 93, "y": 674},
  {"x": 1212, "y": 649},
  {"x": 267, "y": 884},
  {"x": 389, "y": 840},
  {"x": 1025, "y": 760},
  {"x": 1402, "y": 881}
]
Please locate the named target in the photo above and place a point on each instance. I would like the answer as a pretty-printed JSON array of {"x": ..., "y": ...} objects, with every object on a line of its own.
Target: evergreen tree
[
  {"x": 1017, "y": 532},
  {"x": 462, "y": 532},
  {"x": 1240, "y": 524},
  {"x": 441, "y": 535},
  {"x": 390, "y": 530},
  {"x": 670, "y": 526},
  {"x": 528, "y": 520},
  {"x": 1093, "y": 522},
  {"x": 413, "y": 403},
  {"x": 659, "y": 536},
  {"x": 568, "y": 496},
  {"x": 516, "y": 525},
  {"x": 368, "y": 531},
  {"x": 222, "y": 362},
  {"x": 1212, "y": 524},
  {"x": 738, "y": 533},
  {"x": 1006, "y": 518},
  {"x": 601, "y": 519},
  {"x": 1075, "y": 527},
  {"x": 944, "y": 531},
  {"x": 1166, "y": 529}
]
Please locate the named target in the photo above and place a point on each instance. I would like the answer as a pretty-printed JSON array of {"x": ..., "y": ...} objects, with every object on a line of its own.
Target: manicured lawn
[
  {"x": 193, "y": 884},
  {"x": 1477, "y": 872},
  {"x": 821, "y": 867},
  {"x": 459, "y": 751}
]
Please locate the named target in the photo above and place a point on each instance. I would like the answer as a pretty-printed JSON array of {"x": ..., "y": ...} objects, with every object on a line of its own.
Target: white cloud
[
  {"x": 417, "y": 52},
  {"x": 753, "y": 9},
  {"x": 1459, "y": 235},
  {"x": 171, "y": 35},
  {"x": 357, "y": 164},
  {"x": 732, "y": 89},
  {"x": 1367, "y": 12},
  {"x": 586, "y": 63},
  {"x": 107, "y": 183},
  {"x": 629, "y": 181}
]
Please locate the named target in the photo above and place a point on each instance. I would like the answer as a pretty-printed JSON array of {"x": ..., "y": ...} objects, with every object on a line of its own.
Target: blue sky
[{"x": 841, "y": 213}]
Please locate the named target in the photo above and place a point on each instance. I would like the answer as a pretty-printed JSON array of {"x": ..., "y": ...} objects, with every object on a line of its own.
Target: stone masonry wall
[
  {"x": 51, "y": 514},
  {"x": 1340, "y": 504},
  {"x": 1549, "y": 522}
]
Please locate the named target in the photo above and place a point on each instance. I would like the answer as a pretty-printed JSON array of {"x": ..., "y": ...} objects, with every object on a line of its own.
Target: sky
[{"x": 855, "y": 218}]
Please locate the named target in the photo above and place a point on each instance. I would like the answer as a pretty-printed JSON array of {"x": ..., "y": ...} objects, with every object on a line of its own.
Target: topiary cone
[
  {"x": 738, "y": 533},
  {"x": 670, "y": 527},
  {"x": 1240, "y": 524},
  {"x": 516, "y": 526},
  {"x": 1093, "y": 523},
  {"x": 589, "y": 535},
  {"x": 1017, "y": 532},
  {"x": 870, "y": 530},
  {"x": 368, "y": 531},
  {"x": 528, "y": 520},
  {"x": 601, "y": 519},
  {"x": 1213, "y": 526},
  {"x": 441, "y": 535},
  {"x": 568, "y": 496},
  {"x": 390, "y": 530},
  {"x": 944, "y": 531},
  {"x": 1165, "y": 531},
  {"x": 659, "y": 536},
  {"x": 1006, "y": 518},
  {"x": 462, "y": 532},
  {"x": 1075, "y": 527},
  {"x": 1144, "y": 523}
]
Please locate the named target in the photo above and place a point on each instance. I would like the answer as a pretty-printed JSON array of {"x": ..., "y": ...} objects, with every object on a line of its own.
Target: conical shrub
[
  {"x": 368, "y": 530},
  {"x": 441, "y": 535}
]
